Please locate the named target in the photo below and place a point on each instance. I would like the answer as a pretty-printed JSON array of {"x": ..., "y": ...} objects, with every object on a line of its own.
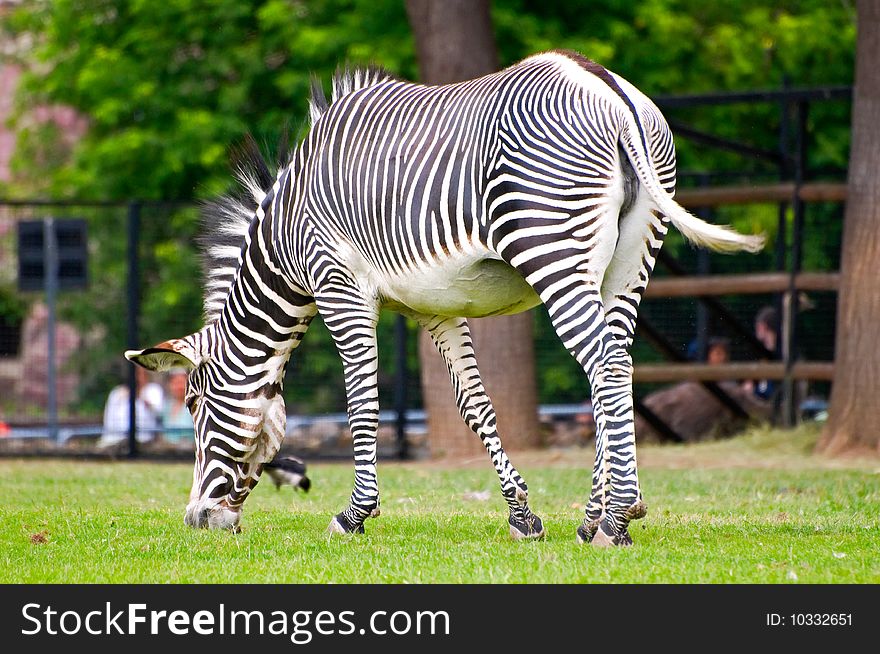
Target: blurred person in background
[
  {"x": 148, "y": 409},
  {"x": 718, "y": 350},
  {"x": 177, "y": 424},
  {"x": 766, "y": 331}
]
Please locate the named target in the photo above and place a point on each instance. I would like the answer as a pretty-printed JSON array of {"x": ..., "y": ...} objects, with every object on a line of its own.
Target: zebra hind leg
[
  {"x": 578, "y": 316},
  {"x": 595, "y": 510},
  {"x": 452, "y": 338},
  {"x": 641, "y": 234},
  {"x": 611, "y": 382},
  {"x": 589, "y": 531}
]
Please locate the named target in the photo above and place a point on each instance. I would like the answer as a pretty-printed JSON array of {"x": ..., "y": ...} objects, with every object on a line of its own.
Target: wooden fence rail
[
  {"x": 740, "y": 284},
  {"x": 679, "y": 372},
  {"x": 762, "y": 193}
]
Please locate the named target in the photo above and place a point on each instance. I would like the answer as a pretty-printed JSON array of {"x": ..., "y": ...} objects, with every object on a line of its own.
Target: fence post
[
  {"x": 50, "y": 275},
  {"x": 791, "y": 308},
  {"x": 703, "y": 269},
  {"x": 782, "y": 247},
  {"x": 133, "y": 304}
]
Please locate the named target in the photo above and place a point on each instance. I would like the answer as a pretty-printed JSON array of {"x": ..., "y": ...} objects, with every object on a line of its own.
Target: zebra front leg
[
  {"x": 452, "y": 338},
  {"x": 352, "y": 324}
]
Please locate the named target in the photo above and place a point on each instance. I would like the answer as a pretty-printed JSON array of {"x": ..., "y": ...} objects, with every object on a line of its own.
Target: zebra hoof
[
  {"x": 586, "y": 531},
  {"x": 529, "y": 528},
  {"x": 604, "y": 539},
  {"x": 340, "y": 525},
  {"x": 637, "y": 511}
]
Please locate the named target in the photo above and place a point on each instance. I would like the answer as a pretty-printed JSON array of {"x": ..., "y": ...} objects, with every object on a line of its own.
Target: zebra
[
  {"x": 549, "y": 182},
  {"x": 288, "y": 471}
]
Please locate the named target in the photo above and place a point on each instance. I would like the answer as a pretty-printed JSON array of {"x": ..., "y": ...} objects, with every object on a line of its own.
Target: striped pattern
[{"x": 550, "y": 181}]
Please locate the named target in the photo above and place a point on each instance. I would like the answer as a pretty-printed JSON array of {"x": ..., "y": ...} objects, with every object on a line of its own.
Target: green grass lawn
[{"x": 756, "y": 509}]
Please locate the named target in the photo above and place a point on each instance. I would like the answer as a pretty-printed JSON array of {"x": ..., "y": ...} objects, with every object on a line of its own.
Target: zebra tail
[{"x": 720, "y": 238}]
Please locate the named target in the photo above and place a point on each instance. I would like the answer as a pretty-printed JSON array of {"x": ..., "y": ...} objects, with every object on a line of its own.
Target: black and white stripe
[{"x": 550, "y": 181}]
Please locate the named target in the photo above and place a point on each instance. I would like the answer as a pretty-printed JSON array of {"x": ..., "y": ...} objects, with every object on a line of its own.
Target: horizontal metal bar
[
  {"x": 712, "y": 140},
  {"x": 415, "y": 419},
  {"x": 734, "y": 97}
]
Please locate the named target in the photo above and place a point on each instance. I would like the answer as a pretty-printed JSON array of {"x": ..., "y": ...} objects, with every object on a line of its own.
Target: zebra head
[{"x": 239, "y": 426}]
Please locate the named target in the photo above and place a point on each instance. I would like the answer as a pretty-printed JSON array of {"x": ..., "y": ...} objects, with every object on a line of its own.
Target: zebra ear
[{"x": 176, "y": 353}]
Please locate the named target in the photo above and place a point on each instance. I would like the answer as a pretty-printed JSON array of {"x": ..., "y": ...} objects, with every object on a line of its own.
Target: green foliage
[
  {"x": 12, "y": 306},
  {"x": 167, "y": 87}
]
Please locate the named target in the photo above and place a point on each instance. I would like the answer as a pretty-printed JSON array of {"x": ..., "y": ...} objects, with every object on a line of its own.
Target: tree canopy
[{"x": 168, "y": 86}]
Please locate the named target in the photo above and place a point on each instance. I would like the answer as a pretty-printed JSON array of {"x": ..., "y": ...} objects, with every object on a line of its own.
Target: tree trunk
[
  {"x": 854, "y": 410},
  {"x": 455, "y": 42}
]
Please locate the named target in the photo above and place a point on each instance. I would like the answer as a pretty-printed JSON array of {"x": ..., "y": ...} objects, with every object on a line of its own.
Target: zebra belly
[{"x": 469, "y": 289}]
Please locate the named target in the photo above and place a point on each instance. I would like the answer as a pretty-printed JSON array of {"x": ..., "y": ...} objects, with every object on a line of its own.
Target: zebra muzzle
[{"x": 212, "y": 517}]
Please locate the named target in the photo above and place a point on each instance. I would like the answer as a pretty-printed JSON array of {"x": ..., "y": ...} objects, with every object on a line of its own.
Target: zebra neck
[{"x": 264, "y": 316}]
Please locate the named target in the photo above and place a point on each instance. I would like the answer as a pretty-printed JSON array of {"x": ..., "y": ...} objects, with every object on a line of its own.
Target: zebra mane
[
  {"x": 226, "y": 220},
  {"x": 346, "y": 80}
]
